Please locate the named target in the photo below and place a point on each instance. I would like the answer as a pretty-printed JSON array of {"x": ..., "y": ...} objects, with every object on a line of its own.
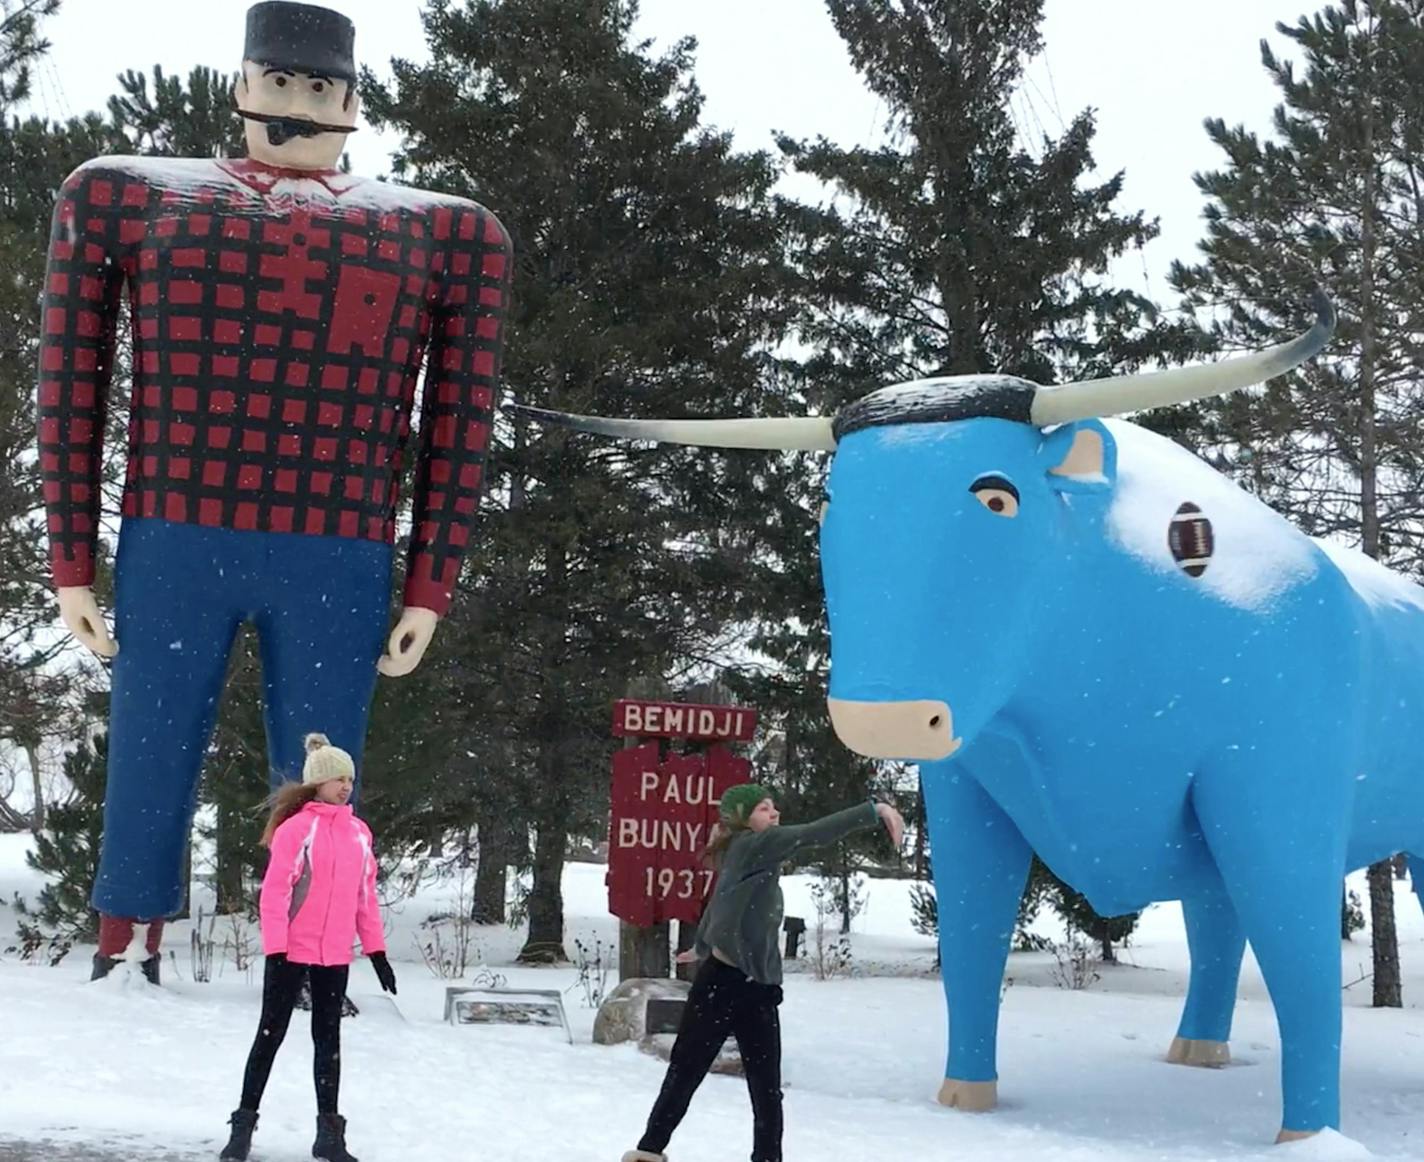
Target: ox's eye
[{"x": 997, "y": 494}]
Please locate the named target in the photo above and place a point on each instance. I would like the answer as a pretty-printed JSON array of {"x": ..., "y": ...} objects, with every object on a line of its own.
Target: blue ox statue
[{"x": 1103, "y": 651}]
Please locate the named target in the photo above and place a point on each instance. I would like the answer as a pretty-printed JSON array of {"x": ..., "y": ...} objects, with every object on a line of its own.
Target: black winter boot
[
  {"x": 243, "y": 1123},
  {"x": 103, "y": 965},
  {"x": 330, "y": 1144}
]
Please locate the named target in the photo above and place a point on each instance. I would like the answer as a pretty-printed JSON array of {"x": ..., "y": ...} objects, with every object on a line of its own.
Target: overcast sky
[{"x": 1153, "y": 69}]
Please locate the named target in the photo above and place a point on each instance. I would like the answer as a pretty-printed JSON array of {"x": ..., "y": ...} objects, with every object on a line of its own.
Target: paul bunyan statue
[{"x": 282, "y": 311}]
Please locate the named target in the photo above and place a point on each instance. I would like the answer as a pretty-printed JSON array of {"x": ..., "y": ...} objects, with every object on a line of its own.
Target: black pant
[
  {"x": 724, "y": 1002},
  {"x": 281, "y": 981}
]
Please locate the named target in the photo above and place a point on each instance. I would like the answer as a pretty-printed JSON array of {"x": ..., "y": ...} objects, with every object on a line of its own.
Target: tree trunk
[
  {"x": 185, "y": 909},
  {"x": 1387, "y": 991},
  {"x": 644, "y": 952},
  {"x": 957, "y": 283},
  {"x": 228, "y": 888},
  {"x": 921, "y": 824},
  {"x": 491, "y": 877},
  {"x": 37, "y": 815},
  {"x": 1384, "y": 942},
  {"x": 11, "y": 820},
  {"x": 845, "y": 895},
  {"x": 545, "y": 942}
]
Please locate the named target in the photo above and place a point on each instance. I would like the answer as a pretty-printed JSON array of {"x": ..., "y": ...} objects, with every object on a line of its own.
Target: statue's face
[{"x": 301, "y": 97}]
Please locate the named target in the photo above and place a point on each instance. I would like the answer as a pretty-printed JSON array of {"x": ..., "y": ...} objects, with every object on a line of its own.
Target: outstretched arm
[{"x": 777, "y": 844}]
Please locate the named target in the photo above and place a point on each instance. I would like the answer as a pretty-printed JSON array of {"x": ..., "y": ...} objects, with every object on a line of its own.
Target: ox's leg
[
  {"x": 1217, "y": 942},
  {"x": 1281, "y": 857},
  {"x": 980, "y": 867}
]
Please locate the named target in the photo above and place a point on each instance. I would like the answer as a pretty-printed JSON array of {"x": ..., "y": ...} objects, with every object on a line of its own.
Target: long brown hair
[
  {"x": 717, "y": 843},
  {"x": 286, "y": 802}
]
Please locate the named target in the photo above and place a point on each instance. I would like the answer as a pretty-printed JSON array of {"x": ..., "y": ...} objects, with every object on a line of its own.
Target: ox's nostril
[{"x": 935, "y": 721}]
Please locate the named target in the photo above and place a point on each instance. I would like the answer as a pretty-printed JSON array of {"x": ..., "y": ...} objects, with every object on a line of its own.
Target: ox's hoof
[
  {"x": 1295, "y": 1135},
  {"x": 1206, "y": 1054},
  {"x": 971, "y": 1096}
]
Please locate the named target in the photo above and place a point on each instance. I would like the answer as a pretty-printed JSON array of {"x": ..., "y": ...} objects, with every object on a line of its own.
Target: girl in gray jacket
[{"x": 738, "y": 988}]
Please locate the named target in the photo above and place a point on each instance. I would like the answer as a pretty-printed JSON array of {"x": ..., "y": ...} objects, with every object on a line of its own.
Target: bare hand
[
  {"x": 893, "y": 820},
  {"x": 408, "y": 642},
  {"x": 85, "y": 620},
  {"x": 687, "y": 956}
]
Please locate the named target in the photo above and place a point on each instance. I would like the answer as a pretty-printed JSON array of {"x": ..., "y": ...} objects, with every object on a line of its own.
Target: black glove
[{"x": 384, "y": 972}]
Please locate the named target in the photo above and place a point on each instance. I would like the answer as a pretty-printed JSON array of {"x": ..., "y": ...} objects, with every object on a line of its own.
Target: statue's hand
[
  {"x": 408, "y": 642},
  {"x": 85, "y": 620}
]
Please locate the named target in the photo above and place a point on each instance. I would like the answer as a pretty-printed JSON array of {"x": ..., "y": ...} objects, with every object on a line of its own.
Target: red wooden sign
[
  {"x": 662, "y": 816},
  {"x": 683, "y": 720}
]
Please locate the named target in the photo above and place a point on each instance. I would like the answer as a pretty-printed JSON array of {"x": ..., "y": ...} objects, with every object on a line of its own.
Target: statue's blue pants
[{"x": 321, "y": 609}]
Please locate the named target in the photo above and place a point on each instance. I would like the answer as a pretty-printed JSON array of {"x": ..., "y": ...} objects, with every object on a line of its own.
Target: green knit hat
[{"x": 740, "y": 801}]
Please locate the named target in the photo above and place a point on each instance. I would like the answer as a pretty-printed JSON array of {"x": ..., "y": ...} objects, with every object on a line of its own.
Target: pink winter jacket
[{"x": 319, "y": 892}]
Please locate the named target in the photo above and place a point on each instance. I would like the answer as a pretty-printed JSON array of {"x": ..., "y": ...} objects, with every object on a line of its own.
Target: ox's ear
[{"x": 1080, "y": 457}]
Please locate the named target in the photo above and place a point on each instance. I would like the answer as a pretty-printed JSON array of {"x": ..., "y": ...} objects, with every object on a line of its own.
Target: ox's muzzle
[{"x": 922, "y": 730}]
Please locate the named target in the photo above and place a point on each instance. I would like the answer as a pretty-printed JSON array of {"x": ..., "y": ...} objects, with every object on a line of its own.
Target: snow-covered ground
[{"x": 152, "y": 1074}]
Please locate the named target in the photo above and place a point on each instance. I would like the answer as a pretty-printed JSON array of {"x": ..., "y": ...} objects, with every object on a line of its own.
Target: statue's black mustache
[{"x": 282, "y": 129}]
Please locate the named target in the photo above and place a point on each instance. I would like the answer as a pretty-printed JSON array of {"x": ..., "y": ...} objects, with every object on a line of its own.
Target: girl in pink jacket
[{"x": 318, "y": 897}]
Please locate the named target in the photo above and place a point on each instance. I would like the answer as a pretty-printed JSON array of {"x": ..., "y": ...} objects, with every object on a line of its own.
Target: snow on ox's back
[
  {"x": 1375, "y": 584},
  {"x": 1258, "y": 554}
]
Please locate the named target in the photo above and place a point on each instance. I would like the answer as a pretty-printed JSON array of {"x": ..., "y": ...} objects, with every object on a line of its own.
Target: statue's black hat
[{"x": 301, "y": 37}]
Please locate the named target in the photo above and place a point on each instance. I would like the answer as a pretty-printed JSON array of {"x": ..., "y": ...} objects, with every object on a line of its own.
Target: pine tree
[
  {"x": 443, "y": 778},
  {"x": 32, "y": 700},
  {"x": 66, "y": 852},
  {"x": 1076, "y": 913},
  {"x": 956, "y": 246},
  {"x": 178, "y": 119},
  {"x": 647, "y": 279},
  {"x": 235, "y": 784},
  {"x": 1334, "y": 198}
]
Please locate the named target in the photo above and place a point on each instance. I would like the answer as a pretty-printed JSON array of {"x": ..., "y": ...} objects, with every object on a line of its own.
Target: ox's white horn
[
  {"x": 790, "y": 434},
  {"x": 1130, "y": 393}
]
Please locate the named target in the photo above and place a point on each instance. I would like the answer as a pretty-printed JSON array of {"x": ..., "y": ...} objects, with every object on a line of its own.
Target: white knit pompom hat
[{"x": 325, "y": 762}]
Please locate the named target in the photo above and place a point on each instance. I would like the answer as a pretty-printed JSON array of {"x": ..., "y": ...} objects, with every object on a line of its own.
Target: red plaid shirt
[{"x": 280, "y": 321}]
